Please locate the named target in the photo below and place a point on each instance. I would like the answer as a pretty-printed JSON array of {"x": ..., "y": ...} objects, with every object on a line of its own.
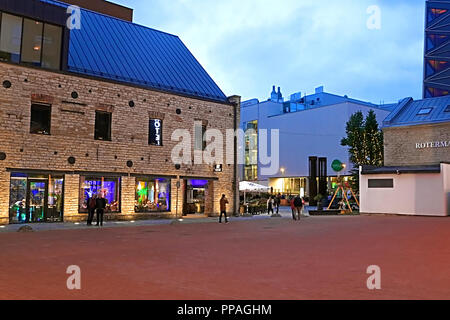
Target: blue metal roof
[
  {"x": 407, "y": 112},
  {"x": 119, "y": 50}
]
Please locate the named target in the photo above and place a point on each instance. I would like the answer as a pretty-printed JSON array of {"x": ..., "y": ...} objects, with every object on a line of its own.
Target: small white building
[{"x": 416, "y": 178}]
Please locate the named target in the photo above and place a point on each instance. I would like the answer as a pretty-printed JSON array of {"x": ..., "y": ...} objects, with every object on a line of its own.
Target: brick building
[
  {"x": 416, "y": 179},
  {"x": 92, "y": 110}
]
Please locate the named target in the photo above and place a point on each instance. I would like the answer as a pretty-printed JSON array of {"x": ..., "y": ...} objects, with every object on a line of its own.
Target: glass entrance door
[
  {"x": 195, "y": 196},
  {"x": 37, "y": 201}
]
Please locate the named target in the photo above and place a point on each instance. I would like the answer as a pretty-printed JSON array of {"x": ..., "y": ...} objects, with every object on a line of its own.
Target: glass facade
[
  {"x": 437, "y": 54},
  {"x": 152, "y": 195},
  {"x": 30, "y": 42},
  {"x": 10, "y": 36},
  {"x": 108, "y": 187},
  {"x": 251, "y": 151},
  {"x": 36, "y": 198}
]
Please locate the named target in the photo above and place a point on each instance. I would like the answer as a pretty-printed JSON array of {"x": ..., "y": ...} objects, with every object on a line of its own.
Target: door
[{"x": 37, "y": 201}]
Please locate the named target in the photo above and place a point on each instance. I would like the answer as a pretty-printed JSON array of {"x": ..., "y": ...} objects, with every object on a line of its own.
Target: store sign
[
  {"x": 433, "y": 145},
  {"x": 218, "y": 168},
  {"x": 155, "y": 136}
]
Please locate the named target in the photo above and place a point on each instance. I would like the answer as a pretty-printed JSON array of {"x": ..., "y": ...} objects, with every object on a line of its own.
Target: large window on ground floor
[
  {"x": 108, "y": 187},
  {"x": 35, "y": 198},
  {"x": 152, "y": 195}
]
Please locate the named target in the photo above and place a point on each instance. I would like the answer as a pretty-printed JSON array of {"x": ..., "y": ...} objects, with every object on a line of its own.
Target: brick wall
[
  {"x": 400, "y": 145},
  {"x": 72, "y": 132}
]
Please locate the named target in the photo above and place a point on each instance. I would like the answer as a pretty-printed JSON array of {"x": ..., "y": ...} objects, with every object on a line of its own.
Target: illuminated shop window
[
  {"x": 35, "y": 198},
  {"x": 108, "y": 187},
  {"x": 152, "y": 195}
]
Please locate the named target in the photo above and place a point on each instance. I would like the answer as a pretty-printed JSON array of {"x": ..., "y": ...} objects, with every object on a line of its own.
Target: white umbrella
[{"x": 247, "y": 186}]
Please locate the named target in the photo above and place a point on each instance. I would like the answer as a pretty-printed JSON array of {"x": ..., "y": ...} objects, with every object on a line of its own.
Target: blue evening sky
[{"x": 249, "y": 45}]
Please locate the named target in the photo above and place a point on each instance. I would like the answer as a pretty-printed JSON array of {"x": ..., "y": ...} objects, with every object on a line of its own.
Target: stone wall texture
[
  {"x": 72, "y": 135},
  {"x": 400, "y": 145}
]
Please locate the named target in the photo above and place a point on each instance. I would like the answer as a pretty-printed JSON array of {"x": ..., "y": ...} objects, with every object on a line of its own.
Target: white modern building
[{"x": 311, "y": 128}]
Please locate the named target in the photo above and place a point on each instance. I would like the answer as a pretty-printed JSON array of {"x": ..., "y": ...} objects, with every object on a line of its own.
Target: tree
[{"x": 365, "y": 142}]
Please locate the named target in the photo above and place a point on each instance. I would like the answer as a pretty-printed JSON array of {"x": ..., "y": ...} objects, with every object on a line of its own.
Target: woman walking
[{"x": 294, "y": 216}]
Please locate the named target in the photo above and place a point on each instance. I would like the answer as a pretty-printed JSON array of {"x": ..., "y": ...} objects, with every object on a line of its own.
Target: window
[
  {"x": 155, "y": 132},
  {"x": 108, "y": 187},
  {"x": 152, "y": 195},
  {"x": 40, "y": 119},
  {"x": 251, "y": 151},
  {"x": 51, "y": 52},
  {"x": 30, "y": 42},
  {"x": 381, "y": 183},
  {"x": 10, "y": 36},
  {"x": 424, "y": 111},
  {"x": 103, "y": 125},
  {"x": 200, "y": 142},
  {"x": 36, "y": 198}
]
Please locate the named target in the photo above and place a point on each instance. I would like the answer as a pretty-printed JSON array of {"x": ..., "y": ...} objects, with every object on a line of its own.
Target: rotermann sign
[{"x": 436, "y": 144}]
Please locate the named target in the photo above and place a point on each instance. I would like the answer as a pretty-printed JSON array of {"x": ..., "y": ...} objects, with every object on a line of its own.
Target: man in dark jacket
[
  {"x": 223, "y": 208},
  {"x": 298, "y": 203},
  {"x": 101, "y": 205},
  {"x": 91, "y": 205},
  {"x": 278, "y": 202}
]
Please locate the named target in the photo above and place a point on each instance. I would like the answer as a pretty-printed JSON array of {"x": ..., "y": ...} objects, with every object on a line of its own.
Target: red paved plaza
[{"x": 318, "y": 258}]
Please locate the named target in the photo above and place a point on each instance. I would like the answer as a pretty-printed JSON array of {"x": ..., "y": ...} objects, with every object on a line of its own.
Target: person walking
[
  {"x": 270, "y": 203},
  {"x": 101, "y": 205},
  {"x": 223, "y": 208},
  {"x": 298, "y": 204},
  {"x": 91, "y": 205},
  {"x": 278, "y": 203},
  {"x": 294, "y": 216}
]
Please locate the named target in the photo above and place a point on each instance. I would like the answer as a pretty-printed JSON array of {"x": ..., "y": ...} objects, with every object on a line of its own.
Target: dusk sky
[{"x": 249, "y": 45}]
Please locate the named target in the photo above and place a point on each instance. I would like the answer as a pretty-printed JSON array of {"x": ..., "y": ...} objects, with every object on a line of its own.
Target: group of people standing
[
  {"x": 96, "y": 204},
  {"x": 296, "y": 204},
  {"x": 274, "y": 203}
]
